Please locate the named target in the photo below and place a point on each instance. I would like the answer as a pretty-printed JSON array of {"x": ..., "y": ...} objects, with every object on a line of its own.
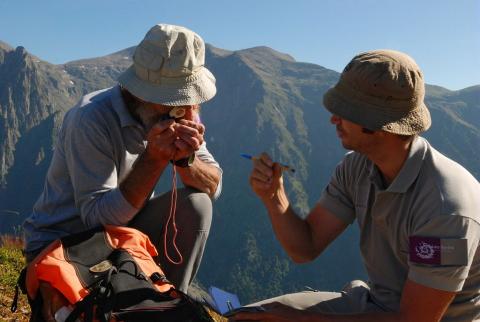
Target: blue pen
[{"x": 284, "y": 166}]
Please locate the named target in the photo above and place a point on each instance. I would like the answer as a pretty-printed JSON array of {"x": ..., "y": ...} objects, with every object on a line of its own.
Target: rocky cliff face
[
  {"x": 32, "y": 93},
  {"x": 266, "y": 101},
  {"x": 33, "y": 97}
]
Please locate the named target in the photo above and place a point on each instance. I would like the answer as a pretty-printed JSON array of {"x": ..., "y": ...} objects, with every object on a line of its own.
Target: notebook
[{"x": 223, "y": 300}]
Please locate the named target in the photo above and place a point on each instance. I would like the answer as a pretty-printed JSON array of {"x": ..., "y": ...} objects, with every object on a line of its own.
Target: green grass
[{"x": 11, "y": 263}]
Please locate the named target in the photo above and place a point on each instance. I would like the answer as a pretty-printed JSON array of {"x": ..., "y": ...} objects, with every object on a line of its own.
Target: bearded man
[{"x": 114, "y": 146}]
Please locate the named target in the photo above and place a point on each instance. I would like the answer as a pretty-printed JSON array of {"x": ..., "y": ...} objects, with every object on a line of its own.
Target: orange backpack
[{"x": 109, "y": 274}]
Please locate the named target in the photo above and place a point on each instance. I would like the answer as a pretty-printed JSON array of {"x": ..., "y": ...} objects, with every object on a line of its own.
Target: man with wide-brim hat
[
  {"x": 417, "y": 210},
  {"x": 117, "y": 143}
]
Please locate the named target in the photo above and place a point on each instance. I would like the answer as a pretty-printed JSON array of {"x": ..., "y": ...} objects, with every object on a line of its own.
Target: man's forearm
[
  {"x": 293, "y": 233},
  {"x": 140, "y": 182},
  {"x": 201, "y": 176}
]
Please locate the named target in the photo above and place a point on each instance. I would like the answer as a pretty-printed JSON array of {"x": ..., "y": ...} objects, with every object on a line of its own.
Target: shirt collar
[
  {"x": 121, "y": 109},
  {"x": 409, "y": 171}
]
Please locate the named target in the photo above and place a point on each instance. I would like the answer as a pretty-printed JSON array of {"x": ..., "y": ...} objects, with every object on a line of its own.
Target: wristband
[{"x": 185, "y": 162}]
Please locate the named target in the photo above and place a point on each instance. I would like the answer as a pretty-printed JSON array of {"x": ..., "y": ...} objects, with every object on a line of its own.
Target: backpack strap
[
  {"x": 35, "y": 303},
  {"x": 21, "y": 285},
  {"x": 85, "y": 306},
  {"x": 96, "y": 301}
]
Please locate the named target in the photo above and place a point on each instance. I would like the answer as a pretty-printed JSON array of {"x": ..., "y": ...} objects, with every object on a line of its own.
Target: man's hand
[
  {"x": 53, "y": 300},
  {"x": 138, "y": 185},
  {"x": 189, "y": 137},
  {"x": 266, "y": 177},
  {"x": 161, "y": 141}
]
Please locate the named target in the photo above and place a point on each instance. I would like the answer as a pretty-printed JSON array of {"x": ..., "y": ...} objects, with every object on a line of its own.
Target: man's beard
[{"x": 148, "y": 116}]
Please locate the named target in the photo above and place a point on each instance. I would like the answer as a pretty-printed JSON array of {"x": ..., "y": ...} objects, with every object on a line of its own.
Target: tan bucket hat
[
  {"x": 168, "y": 68},
  {"x": 381, "y": 90}
]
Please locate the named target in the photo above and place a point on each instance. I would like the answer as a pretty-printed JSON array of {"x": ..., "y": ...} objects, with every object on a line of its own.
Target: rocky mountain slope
[{"x": 266, "y": 101}]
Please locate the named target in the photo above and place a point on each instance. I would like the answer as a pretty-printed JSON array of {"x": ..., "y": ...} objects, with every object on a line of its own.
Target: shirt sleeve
[
  {"x": 205, "y": 155},
  {"x": 336, "y": 197},
  {"x": 90, "y": 160},
  {"x": 457, "y": 242}
]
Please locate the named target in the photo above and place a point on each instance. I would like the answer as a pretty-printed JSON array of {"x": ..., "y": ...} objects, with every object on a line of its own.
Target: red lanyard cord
[{"x": 171, "y": 217}]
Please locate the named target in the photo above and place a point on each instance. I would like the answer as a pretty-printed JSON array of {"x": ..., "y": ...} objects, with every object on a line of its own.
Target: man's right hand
[
  {"x": 161, "y": 141},
  {"x": 266, "y": 177},
  {"x": 140, "y": 182}
]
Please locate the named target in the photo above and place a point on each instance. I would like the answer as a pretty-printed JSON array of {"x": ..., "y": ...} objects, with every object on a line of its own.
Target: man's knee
[{"x": 195, "y": 207}]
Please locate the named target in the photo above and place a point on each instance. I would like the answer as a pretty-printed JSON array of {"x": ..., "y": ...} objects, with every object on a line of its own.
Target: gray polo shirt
[
  {"x": 96, "y": 147},
  {"x": 425, "y": 226}
]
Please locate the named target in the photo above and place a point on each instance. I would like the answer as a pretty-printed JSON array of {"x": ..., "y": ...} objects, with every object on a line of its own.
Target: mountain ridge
[
  {"x": 266, "y": 101},
  {"x": 5, "y": 47}
]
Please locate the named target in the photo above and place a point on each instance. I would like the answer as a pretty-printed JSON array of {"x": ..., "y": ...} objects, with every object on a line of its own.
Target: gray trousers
[
  {"x": 193, "y": 220},
  {"x": 354, "y": 298}
]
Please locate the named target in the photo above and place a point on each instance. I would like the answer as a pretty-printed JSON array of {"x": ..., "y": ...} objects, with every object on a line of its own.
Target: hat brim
[
  {"x": 178, "y": 91},
  {"x": 376, "y": 118}
]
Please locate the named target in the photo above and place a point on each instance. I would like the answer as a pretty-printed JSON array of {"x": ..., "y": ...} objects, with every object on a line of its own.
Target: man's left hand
[{"x": 189, "y": 137}]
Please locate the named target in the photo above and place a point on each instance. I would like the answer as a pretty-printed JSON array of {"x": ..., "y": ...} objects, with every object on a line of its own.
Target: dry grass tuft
[{"x": 12, "y": 242}]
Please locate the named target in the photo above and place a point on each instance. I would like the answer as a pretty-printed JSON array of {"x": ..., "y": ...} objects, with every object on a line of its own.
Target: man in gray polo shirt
[
  {"x": 115, "y": 145},
  {"x": 418, "y": 211}
]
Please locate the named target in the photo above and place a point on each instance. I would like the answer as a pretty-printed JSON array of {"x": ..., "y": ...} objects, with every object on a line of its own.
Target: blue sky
[{"x": 443, "y": 36}]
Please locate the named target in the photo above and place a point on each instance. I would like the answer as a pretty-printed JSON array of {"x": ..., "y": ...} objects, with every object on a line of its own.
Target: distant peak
[
  {"x": 124, "y": 54},
  {"x": 5, "y": 46},
  {"x": 473, "y": 88},
  {"x": 22, "y": 53},
  {"x": 259, "y": 51},
  {"x": 21, "y": 50},
  {"x": 218, "y": 51},
  {"x": 267, "y": 51}
]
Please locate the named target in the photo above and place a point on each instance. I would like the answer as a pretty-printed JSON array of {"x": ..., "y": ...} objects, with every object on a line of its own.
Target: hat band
[
  {"x": 157, "y": 78},
  {"x": 395, "y": 106}
]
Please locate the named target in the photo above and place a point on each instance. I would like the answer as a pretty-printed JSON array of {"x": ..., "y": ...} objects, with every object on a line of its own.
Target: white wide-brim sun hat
[{"x": 168, "y": 68}]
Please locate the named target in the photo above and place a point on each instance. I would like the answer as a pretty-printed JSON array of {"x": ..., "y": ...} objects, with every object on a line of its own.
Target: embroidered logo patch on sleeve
[{"x": 438, "y": 251}]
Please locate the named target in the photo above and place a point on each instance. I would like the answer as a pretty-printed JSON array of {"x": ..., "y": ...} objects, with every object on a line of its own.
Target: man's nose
[{"x": 189, "y": 112}]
